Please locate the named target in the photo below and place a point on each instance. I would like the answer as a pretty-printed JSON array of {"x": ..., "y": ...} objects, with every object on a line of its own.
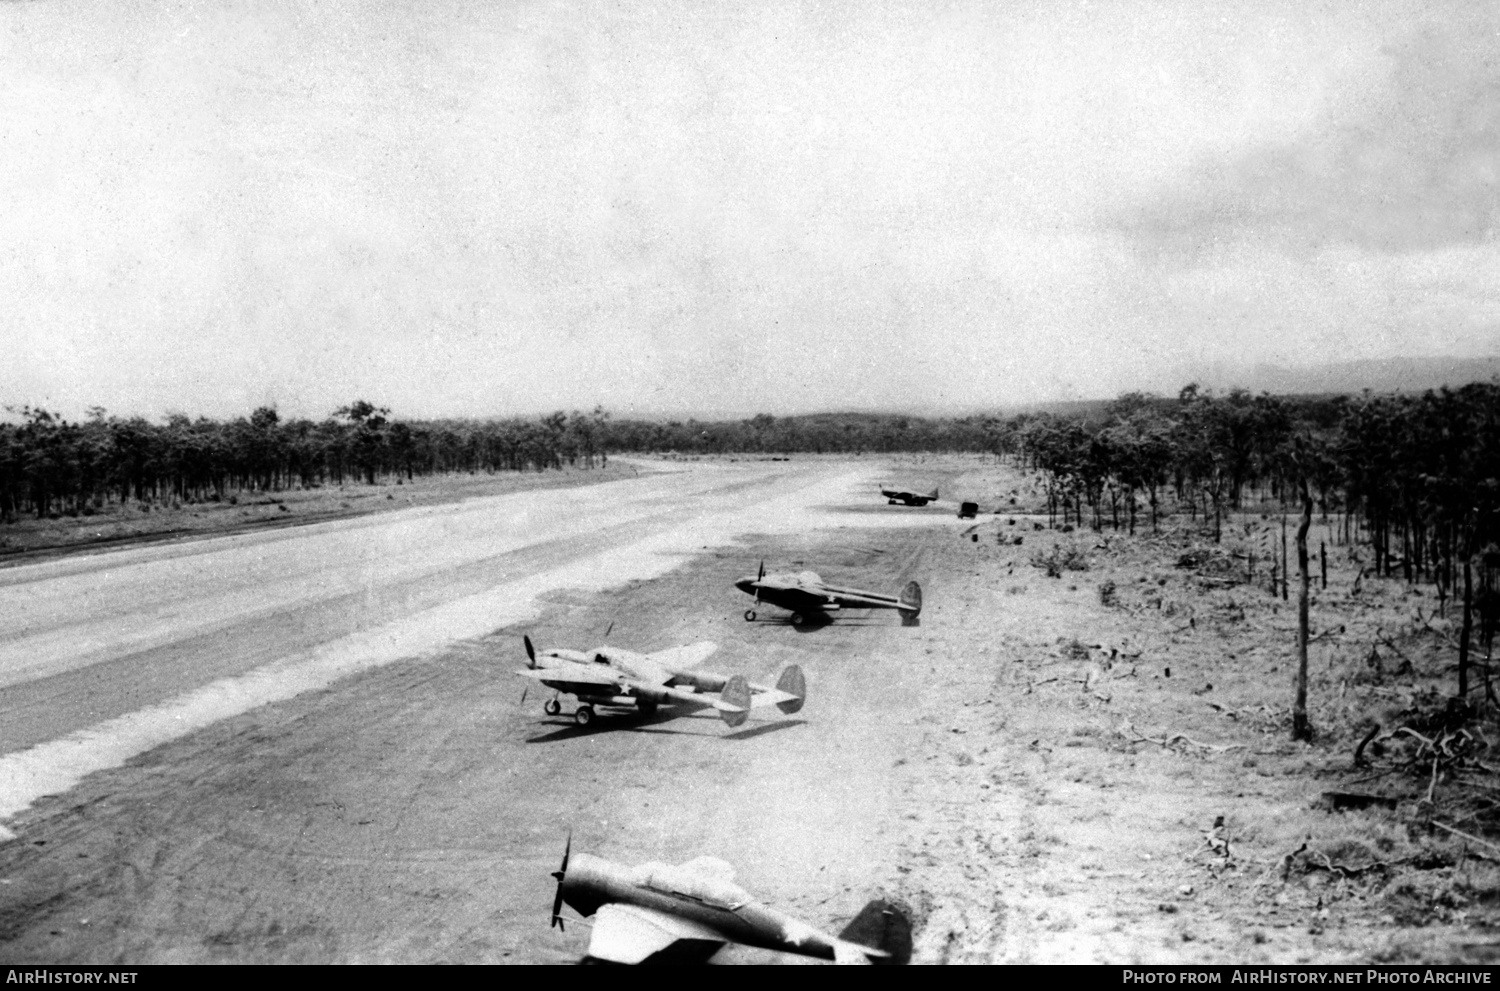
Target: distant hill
[{"x": 1385, "y": 375}]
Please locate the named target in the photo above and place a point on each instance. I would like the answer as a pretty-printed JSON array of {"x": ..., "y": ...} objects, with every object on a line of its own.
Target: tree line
[
  {"x": 1416, "y": 476},
  {"x": 50, "y": 466},
  {"x": 819, "y": 433}
]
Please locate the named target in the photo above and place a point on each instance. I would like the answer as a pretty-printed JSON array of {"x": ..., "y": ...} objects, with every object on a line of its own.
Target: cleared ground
[{"x": 1010, "y": 768}]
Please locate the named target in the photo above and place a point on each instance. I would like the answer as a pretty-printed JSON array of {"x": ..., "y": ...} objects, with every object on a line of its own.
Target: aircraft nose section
[{"x": 746, "y": 584}]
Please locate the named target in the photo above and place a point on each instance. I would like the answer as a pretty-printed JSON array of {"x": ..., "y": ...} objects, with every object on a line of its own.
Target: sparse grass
[{"x": 1059, "y": 559}]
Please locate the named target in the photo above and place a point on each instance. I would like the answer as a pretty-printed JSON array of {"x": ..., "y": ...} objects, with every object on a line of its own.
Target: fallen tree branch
[
  {"x": 1348, "y": 872},
  {"x": 1359, "y": 751},
  {"x": 1413, "y": 733},
  {"x": 1467, "y": 836},
  {"x": 1445, "y": 635},
  {"x": 1167, "y": 741},
  {"x": 1382, "y": 638}
]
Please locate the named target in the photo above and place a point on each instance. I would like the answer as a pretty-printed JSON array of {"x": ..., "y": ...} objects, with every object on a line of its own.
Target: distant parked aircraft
[
  {"x": 696, "y": 908},
  {"x": 910, "y": 498},
  {"x": 609, "y": 676},
  {"x": 806, "y": 594}
]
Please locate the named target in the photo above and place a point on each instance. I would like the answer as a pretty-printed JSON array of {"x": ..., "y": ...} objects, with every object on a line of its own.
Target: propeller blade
[
  {"x": 530, "y": 651},
  {"x": 560, "y": 873},
  {"x": 762, "y": 572},
  {"x": 611, "y": 626},
  {"x": 523, "y": 695}
]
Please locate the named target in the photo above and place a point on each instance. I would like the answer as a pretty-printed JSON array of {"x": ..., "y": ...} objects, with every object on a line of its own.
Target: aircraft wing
[
  {"x": 779, "y": 584},
  {"x": 630, "y": 933},
  {"x": 682, "y": 658},
  {"x": 573, "y": 674}
]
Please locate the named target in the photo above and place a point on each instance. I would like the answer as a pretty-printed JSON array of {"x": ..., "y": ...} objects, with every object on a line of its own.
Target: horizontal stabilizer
[{"x": 883, "y": 927}]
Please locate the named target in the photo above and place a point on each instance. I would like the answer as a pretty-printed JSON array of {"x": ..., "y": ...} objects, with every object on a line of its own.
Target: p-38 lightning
[
  {"x": 809, "y": 597},
  {"x": 694, "y": 909},
  {"x": 609, "y": 676}
]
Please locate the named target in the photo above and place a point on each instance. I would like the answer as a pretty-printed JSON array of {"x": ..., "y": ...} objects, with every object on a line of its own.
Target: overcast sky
[{"x": 477, "y": 207}]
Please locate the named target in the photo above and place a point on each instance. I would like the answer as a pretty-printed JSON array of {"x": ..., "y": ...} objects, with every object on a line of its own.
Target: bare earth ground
[{"x": 1036, "y": 773}]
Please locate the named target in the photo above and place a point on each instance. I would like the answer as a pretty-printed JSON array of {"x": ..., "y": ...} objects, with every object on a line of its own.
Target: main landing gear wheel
[
  {"x": 798, "y": 619},
  {"x": 584, "y": 715},
  {"x": 749, "y": 615},
  {"x": 552, "y": 707}
]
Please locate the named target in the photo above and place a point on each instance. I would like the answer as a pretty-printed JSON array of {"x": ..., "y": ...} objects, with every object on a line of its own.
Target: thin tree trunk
[
  {"x": 1465, "y": 632},
  {"x": 1301, "y": 728},
  {"x": 1286, "y": 565}
]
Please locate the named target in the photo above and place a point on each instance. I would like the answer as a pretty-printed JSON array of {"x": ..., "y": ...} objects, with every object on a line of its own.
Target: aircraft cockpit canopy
[{"x": 705, "y": 879}]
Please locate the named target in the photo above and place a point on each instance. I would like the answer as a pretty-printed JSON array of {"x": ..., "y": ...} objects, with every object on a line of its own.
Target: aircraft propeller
[
  {"x": 530, "y": 662},
  {"x": 560, "y": 873},
  {"x": 762, "y": 573}
]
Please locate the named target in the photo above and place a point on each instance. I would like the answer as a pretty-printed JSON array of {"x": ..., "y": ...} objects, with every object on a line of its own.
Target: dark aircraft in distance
[
  {"x": 695, "y": 908},
  {"x": 609, "y": 676},
  {"x": 807, "y": 595},
  {"x": 894, "y": 495}
]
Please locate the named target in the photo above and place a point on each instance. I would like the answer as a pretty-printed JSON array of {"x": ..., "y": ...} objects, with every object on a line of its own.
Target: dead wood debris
[
  {"x": 1216, "y": 841},
  {"x": 1132, "y": 735},
  {"x": 1471, "y": 838},
  {"x": 1340, "y": 800}
]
